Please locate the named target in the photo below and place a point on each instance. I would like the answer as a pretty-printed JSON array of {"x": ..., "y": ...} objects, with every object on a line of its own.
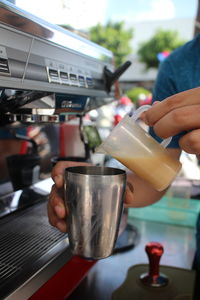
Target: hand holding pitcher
[{"x": 140, "y": 153}]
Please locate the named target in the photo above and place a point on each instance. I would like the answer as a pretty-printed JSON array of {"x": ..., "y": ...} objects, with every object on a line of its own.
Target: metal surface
[
  {"x": 28, "y": 245},
  {"x": 39, "y": 60},
  {"x": 160, "y": 281},
  {"x": 62, "y": 72},
  {"x": 108, "y": 274},
  {"x": 13, "y": 201},
  {"x": 26, "y": 22},
  {"x": 94, "y": 197}
]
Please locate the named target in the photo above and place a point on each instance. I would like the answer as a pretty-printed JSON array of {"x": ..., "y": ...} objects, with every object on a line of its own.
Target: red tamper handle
[
  {"x": 153, "y": 278},
  {"x": 154, "y": 252}
]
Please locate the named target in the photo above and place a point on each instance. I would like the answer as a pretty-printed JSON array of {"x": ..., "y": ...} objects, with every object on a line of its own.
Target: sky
[
  {"x": 82, "y": 14},
  {"x": 142, "y": 10}
]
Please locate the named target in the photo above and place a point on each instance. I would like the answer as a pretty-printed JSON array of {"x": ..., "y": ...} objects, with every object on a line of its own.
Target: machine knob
[{"x": 153, "y": 278}]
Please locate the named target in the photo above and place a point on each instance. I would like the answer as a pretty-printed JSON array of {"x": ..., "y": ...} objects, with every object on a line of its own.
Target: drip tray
[{"x": 28, "y": 243}]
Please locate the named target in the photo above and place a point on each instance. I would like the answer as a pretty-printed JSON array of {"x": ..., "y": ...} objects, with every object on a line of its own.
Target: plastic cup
[{"x": 139, "y": 152}]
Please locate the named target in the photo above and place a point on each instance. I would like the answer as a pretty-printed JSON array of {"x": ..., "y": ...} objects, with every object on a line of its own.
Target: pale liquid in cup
[{"x": 159, "y": 170}]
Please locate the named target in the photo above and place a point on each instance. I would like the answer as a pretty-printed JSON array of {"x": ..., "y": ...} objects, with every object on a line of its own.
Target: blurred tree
[
  {"x": 134, "y": 94},
  {"x": 114, "y": 37},
  {"x": 162, "y": 41}
]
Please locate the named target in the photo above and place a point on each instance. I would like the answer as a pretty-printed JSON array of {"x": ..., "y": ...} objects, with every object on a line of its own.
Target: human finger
[
  {"x": 57, "y": 203},
  {"x": 129, "y": 195},
  {"x": 56, "y": 210},
  {"x": 190, "y": 142},
  {"x": 55, "y": 221},
  {"x": 186, "y": 98},
  {"x": 178, "y": 120},
  {"x": 58, "y": 170},
  {"x": 143, "y": 115}
]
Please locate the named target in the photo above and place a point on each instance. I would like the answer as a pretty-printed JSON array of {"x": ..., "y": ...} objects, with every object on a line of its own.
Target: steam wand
[{"x": 111, "y": 77}]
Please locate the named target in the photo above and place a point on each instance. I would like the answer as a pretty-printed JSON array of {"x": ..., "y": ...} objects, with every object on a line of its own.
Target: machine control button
[
  {"x": 64, "y": 78},
  {"x": 4, "y": 67},
  {"x": 89, "y": 82},
  {"x": 73, "y": 79},
  {"x": 81, "y": 80},
  {"x": 53, "y": 75}
]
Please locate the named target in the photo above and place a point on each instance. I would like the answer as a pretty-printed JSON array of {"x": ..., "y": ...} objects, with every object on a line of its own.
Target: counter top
[{"x": 108, "y": 274}]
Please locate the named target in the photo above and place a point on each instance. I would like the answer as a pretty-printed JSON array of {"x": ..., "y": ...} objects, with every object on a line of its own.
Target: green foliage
[
  {"x": 162, "y": 41},
  {"x": 134, "y": 93},
  {"x": 114, "y": 37},
  {"x": 92, "y": 135}
]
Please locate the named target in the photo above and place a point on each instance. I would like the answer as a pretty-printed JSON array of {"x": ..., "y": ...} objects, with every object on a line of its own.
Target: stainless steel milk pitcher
[{"x": 94, "y": 198}]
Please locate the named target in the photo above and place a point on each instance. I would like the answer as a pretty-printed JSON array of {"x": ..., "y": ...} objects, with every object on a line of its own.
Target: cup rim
[{"x": 95, "y": 171}]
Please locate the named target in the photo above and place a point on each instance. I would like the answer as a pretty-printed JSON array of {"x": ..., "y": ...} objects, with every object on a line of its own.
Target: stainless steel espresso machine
[{"x": 47, "y": 76}]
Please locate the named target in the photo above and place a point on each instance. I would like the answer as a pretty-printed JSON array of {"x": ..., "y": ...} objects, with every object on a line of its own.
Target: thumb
[
  {"x": 143, "y": 115},
  {"x": 129, "y": 195},
  {"x": 58, "y": 171}
]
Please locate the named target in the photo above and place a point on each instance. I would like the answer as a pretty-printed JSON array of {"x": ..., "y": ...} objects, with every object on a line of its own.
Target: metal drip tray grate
[{"x": 24, "y": 238}]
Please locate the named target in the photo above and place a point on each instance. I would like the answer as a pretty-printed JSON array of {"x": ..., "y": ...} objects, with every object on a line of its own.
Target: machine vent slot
[
  {"x": 4, "y": 68},
  {"x": 24, "y": 239}
]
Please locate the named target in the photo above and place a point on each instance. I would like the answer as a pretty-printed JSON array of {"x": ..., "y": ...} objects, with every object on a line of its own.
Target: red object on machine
[
  {"x": 62, "y": 284},
  {"x": 24, "y": 144},
  {"x": 62, "y": 140}
]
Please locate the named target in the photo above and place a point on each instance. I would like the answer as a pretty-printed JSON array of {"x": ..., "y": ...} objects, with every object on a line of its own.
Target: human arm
[{"x": 139, "y": 193}]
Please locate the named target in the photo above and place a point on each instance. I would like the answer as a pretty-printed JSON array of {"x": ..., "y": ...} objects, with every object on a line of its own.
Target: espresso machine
[{"x": 48, "y": 75}]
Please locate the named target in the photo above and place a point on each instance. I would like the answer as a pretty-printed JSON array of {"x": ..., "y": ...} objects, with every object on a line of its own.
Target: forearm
[{"x": 139, "y": 193}]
